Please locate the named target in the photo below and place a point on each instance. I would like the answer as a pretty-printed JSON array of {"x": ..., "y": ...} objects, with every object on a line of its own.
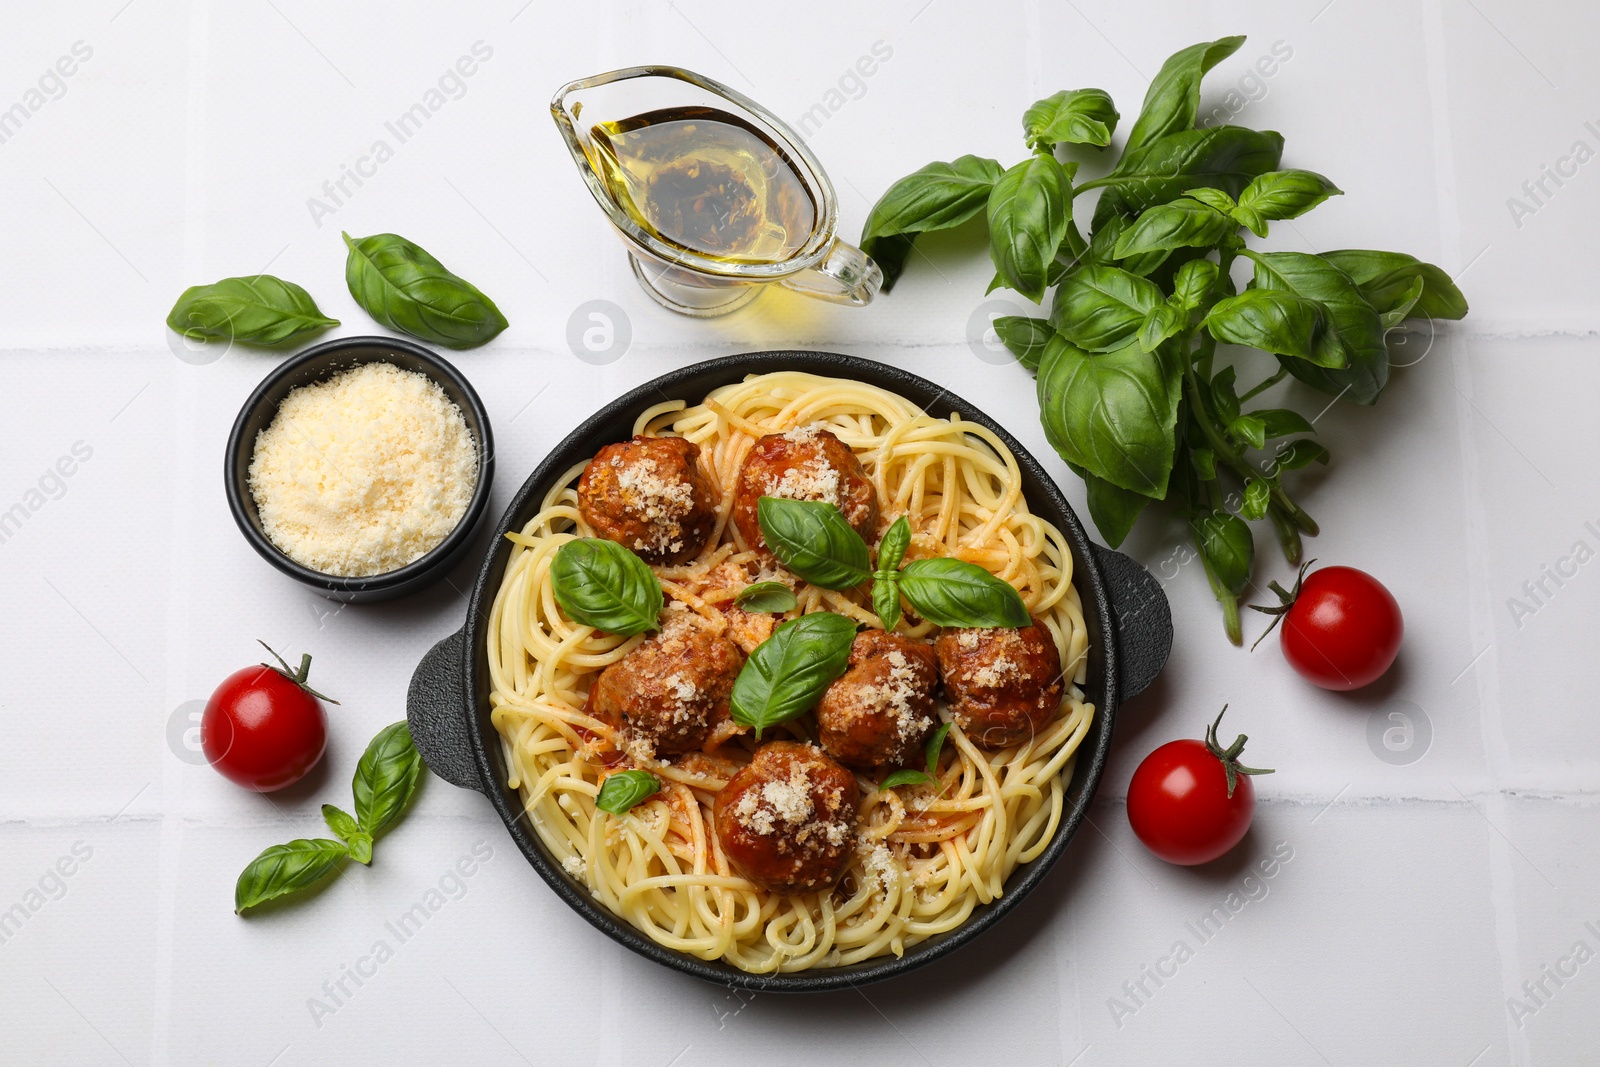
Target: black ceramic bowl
[
  {"x": 313, "y": 365},
  {"x": 1129, "y": 623}
]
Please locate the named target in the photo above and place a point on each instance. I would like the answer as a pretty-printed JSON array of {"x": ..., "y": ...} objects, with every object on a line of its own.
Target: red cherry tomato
[
  {"x": 264, "y": 728},
  {"x": 1185, "y": 803},
  {"x": 1343, "y": 629}
]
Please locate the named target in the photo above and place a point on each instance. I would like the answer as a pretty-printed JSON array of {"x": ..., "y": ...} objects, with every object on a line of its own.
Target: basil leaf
[
  {"x": 766, "y": 598},
  {"x": 1402, "y": 309},
  {"x": 814, "y": 540},
  {"x": 260, "y": 310},
  {"x": 787, "y": 673},
  {"x": 386, "y": 778},
  {"x": 1112, "y": 414},
  {"x": 953, "y": 592},
  {"x": 1249, "y": 429},
  {"x": 599, "y": 583},
  {"x": 1257, "y": 495},
  {"x": 886, "y": 600},
  {"x": 1221, "y": 157},
  {"x": 904, "y": 776},
  {"x": 1275, "y": 321},
  {"x": 1384, "y": 278},
  {"x": 1101, "y": 308},
  {"x": 1205, "y": 464},
  {"x": 1215, "y": 198},
  {"x": 1286, "y": 194},
  {"x": 1173, "y": 99},
  {"x": 340, "y": 821},
  {"x": 1028, "y": 210},
  {"x": 621, "y": 791},
  {"x": 935, "y": 745},
  {"x": 1192, "y": 283},
  {"x": 1229, "y": 548},
  {"x": 1113, "y": 508},
  {"x": 1183, "y": 223},
  {"x": 1300, "y": 453},
  {"x": 1083, "y": 116},
  {"x": 937, "y": 197},
  {"x": 1352, "y": 322},
  {"x": 1025, "y": 337},
  {"x": 892, "y": 546},
  {"x": 1281, "y": 422},
  {"x": 1161, "y": 323},
  {"x": 285, "y": 869},
  {"x": 404, "y": 288}
]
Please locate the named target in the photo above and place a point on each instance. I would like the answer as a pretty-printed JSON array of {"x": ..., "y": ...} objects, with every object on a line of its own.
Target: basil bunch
[
  {"x": 813, "y": 539},
  {"x": 600, "y": 583},
  {"x": 262, "y": 310},
  {"x": 385, "y": 781},
  {"x": 403, "y": 287},
  {"x": 1131, "y": 391}
]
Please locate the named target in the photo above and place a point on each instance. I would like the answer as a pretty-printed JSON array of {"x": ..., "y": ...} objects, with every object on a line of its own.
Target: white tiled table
[{"x": 1416, "y": 898}]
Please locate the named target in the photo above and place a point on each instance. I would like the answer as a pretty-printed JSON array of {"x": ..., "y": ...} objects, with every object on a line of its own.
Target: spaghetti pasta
[{"x": 927, "y": 856}]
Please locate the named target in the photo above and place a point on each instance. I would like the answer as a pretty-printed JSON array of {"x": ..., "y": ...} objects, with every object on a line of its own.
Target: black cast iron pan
[{"x": 1129, "y": 623}]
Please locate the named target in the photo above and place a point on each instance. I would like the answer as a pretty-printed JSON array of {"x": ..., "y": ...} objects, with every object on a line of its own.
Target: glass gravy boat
[{"x": 714, "y": 196}]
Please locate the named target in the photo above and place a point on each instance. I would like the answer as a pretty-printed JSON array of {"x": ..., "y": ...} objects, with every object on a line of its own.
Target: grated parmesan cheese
[{"x": 365, "y": 472}]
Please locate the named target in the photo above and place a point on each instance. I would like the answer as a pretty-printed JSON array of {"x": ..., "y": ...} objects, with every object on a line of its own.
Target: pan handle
[
  {"x": 437, "y": 710},
  {"x": 1143, "y": 619}
]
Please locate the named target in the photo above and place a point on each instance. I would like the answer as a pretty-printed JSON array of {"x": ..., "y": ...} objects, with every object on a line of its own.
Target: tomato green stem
[{"x": 1230, "y": 756}]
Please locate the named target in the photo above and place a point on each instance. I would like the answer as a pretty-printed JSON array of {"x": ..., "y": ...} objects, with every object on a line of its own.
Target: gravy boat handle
[{"x": 846, "y": 275}]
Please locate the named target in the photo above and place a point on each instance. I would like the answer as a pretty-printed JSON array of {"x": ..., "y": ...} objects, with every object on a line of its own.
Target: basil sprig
[
  {"x": 403, "y": 287},
  {"x": 260, "y": 310},
  {"x": 1133, "y": 390},
  {"x": 787, "y": 673},
  {"x": 621, "y": 791},
  {"x": 766, "y": 598},
  {"x": 886, "y": 579},
  {"x": 912, "y": 776},
  {"x": 599, "y": 583},
  {"x": 385, "y": 781},
  {"x": 815, "y": 541},
  {"x": 344, "y": 824}
]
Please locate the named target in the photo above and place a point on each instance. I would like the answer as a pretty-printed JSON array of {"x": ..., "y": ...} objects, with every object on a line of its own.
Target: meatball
[
  {"x": 650, "y": 495},
  {"x": 787, "y": 821},
  {"x": 880, "y": 712},
  {"x": 807, "y": 463},
  {"x": 671, "y": 692},
  {"x": 1003, "y": 685}
]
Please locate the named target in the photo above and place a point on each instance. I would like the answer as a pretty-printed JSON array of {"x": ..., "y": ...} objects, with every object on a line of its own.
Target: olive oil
[{"x": 706, "y": 181}]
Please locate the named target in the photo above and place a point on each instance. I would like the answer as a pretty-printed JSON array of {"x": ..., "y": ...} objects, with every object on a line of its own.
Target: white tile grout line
[{"x": 1502, "y": 897}]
